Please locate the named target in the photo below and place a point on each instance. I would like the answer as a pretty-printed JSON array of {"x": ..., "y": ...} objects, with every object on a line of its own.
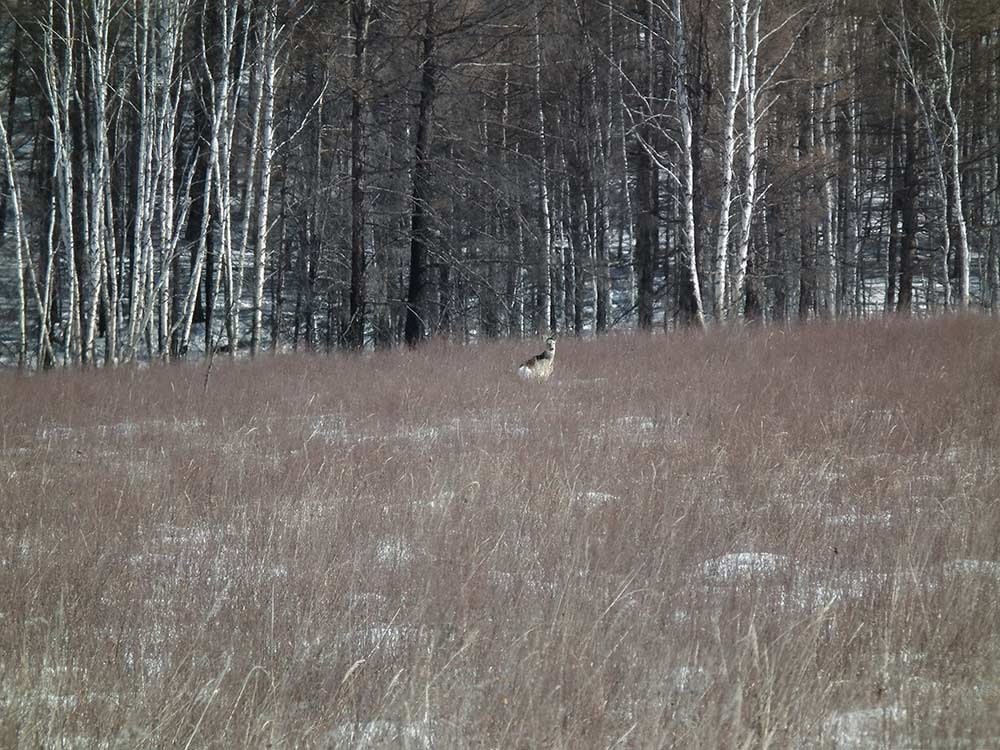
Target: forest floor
[{"x": 784, "y": 537}]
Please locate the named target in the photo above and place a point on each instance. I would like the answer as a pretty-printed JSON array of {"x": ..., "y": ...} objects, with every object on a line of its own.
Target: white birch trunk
[
  {"x": 730, "y": 98},
  {"x": 220, "y": 101},
  {"x": 928, "y": 116},
  {"x": 544, "y": 274},
  {"x": 59, "y": 74},
  {"x": 163, "y": 224},
  {"x": 20, "y": 246},
  {"x": 269, "y": 53},
  {"x": 827, "y": 140},
  {"x": 944, "y": 55},
  {"x": 687, "y": 165},
  {"x": 750, "y": 31},
  {"x": 97, "y": 176}
]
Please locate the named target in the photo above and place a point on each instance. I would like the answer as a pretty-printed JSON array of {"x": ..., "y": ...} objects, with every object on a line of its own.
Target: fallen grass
[{"x": 752, "y": 538}]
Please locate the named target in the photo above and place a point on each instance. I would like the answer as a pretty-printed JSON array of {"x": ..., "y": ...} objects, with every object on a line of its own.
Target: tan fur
[{"x": 540, "y": 366}]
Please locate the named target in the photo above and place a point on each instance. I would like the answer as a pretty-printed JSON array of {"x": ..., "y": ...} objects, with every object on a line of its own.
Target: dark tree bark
[
  {"x": 360, "y": 16},
  {"x": 417, "y": 308},
  {"x": 909, "y": 191},
  {"x": 895, "y": 197}
]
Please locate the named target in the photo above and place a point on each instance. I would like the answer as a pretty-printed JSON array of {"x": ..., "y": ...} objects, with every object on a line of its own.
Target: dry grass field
[{"x": 749, "y": 538}]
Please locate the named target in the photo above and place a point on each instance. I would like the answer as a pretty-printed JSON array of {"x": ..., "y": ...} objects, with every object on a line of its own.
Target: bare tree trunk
[
  {"x": 807, "y": 245},
  {"x": 647, "y": 230},
  {"x": 269, "y": 52},
  {"x": 543, "y": 277},
  {"x": 750, "y": 33},
  {"x": 908, "y": 193},
  {"x": 22, "y": 254},
  {"x": 58, "y": 62},
  {"x": 944, "y": 55},
  {"x": 894, "y": 198},
  {"x": 737, "y": 10},
  {"x": 220, "y": 89},
  {"x": 691, "y": 306},
  {"x": 826, "y": 129},
  {"x": 360, "y": 18},
  {"x": 417, "y": 308}
]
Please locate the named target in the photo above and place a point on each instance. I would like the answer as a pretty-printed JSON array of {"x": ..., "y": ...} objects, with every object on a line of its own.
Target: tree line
[{"x": 183, "y": 176}]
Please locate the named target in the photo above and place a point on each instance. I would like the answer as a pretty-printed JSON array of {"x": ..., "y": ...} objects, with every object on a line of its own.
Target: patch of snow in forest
[
  {"x": 856, "y": 518},
  {"x": 365, "y": 599},
  {"x": 864, "y": 728},
  {"x": 55, "y": 432},
  {"x": 989, "y": 568},
  {"x": 54, "y": 686},
  {"x": 194, "y": 537},
  {"x": 811, "y": 594},
  {"x": 120, "y": 429},
  {"x": 328, "y": 426},
  {"x": 742, "y": 565},
  {"x": 421, "y": 433},
  {"x": 809, "y": 589},
  {"x": 596, "y": 499},
  {"x": 167, "y": 542},
  {"x": 380, "y": 734},
  {"x": 636, "y": 424},
  {"x": 382, "y": 635},
  {"x": 127, "y": 429},
  {"x": 393, "y": 551},
  {"x": 954, "y": 455},
  {"x": 688, "y": 678},
  {"x": 149, "y": 661}
]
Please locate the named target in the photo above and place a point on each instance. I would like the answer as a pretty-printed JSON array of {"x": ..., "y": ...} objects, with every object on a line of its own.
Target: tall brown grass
[{"x": 746, "y": 538}]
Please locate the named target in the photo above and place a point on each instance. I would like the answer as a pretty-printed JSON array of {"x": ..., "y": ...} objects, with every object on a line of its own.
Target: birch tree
[
  {"x": 267, "y": 64},
  {"x": 692, "y": 305},
  {"x": 736, "y": 58},
  {"x": 543, "y": 277}
]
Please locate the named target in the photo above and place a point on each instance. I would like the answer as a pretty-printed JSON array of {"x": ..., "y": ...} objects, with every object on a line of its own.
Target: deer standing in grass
[{"x": 540, "y": 366}]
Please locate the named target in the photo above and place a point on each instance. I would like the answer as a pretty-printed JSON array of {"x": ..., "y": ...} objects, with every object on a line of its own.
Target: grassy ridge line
[{"x": 773, "y": 536}]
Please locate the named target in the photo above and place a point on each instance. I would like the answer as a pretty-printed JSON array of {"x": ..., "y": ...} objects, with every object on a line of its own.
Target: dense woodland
[{"x": 182, "y": 176}]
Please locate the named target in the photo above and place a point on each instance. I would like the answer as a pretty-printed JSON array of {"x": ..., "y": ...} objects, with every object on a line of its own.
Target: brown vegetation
[{"x": 754, "y": 537}]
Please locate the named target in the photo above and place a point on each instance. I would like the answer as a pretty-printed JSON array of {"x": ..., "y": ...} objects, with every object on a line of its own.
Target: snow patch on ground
[
  {"x": 331, "y": 427},
  {"x": 742, "y": 565},
  {"x": 393, "y": 551},
  {"x": 689, "y": 679},
  {"x": 380, "y": 733},
  {"x": 597, "y": 499},
  {"x": 989, "y": 568},
  {"x": 636, "y": 425},
  {"x": 865, "y": 728},
  {"x": 855, "y": 518}
]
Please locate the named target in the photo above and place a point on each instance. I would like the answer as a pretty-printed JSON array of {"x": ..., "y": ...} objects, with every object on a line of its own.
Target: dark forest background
[{"x": 205, "y": 175}]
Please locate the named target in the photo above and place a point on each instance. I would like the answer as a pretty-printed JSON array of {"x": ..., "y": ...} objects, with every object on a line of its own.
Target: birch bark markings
[
  {"x": 21, "y": 251},
  {"x": 944, "y": 57},
  {"x": 691, "y": 299},
  {"x": 543, "y": 277},
  {"x": 749, "y": 29},
  {"x": 58, "y": 62},
  {"x": 737, "y": 13},
  {"x": 825, "y": 125},
  {"x": 220, "y": 88},
  {"x": 269, "y": 51}
]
